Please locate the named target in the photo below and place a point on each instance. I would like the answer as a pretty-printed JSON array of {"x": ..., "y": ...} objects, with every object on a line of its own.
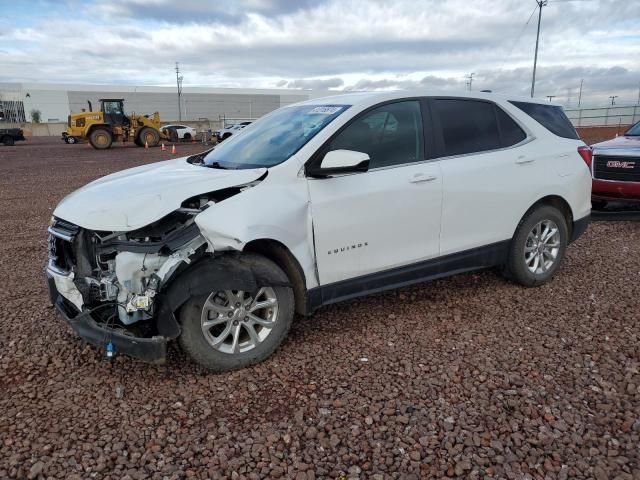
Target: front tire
[
  {"x": 100, "y": 139},
  {"x": 149, "y": 136},
  {"x": 8, "y": 141},
  {"x": 71, "y": 140},
  {"x": 538, "y": 247},
  {"x": 231, "y": 329}
]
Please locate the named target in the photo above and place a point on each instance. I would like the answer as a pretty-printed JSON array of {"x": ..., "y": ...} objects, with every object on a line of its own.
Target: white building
[{"x": 56, "y": 101}]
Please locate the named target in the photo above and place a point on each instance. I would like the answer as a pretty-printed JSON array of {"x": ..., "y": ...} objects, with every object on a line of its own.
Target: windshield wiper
[{"x": 215, "y": 165}]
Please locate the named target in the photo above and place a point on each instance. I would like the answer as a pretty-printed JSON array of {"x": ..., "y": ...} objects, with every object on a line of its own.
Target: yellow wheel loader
[{"x": 111, "y": 124}]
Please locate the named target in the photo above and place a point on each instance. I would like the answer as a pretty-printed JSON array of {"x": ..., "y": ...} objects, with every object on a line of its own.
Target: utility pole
[
  {"x": 551, "y": 97},
  {"x": 179, "y": 83},
  {"x": 580, "y": 94},
  {"x": 613, "y": 99},
  {"x": 541, "y": 3},
  {"x": 638, "y": 93},
  {"x": 470, "y": 78}
]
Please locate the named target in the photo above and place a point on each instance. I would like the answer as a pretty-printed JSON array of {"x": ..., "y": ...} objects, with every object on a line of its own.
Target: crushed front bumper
[{"x": 151, "y": 350}]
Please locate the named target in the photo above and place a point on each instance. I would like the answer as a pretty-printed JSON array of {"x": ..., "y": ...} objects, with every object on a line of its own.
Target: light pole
[
  {"x": 179, "y": 83},
  {"x": 580, "y": 94},
  {"x": 551, "y": 97},
  {"x": 541, "y": 3},
  {"x": 613, "y": 99},
  {"x": 470, "y": 77}
]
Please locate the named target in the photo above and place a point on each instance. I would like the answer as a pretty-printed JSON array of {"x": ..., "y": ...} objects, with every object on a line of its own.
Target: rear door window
[
  {"x": 510, "y": 131},
  {"x": 551, "y": 117},
  {"x": 466, "y": 126}
]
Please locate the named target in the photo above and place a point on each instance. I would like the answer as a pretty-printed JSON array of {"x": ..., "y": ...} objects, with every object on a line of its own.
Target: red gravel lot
[{"x": 469, "y": 377}]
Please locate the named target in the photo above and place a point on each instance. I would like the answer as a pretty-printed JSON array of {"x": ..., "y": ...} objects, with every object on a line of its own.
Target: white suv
[{"x": 317, "y": 202}]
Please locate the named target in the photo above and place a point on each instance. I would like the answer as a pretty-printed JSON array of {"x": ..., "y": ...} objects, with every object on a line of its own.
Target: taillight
[{"x": 586, "y": 154}]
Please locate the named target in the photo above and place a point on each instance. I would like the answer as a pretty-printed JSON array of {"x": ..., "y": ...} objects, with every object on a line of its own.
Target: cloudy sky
[{"x": 328, "y": 44}]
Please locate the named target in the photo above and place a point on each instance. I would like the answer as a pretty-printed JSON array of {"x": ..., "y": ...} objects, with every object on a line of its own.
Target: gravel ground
[{"x": 468, "y": 377}]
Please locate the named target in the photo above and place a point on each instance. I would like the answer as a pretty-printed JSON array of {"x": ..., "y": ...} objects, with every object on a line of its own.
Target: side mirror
[{"x": 341, "y": 161}]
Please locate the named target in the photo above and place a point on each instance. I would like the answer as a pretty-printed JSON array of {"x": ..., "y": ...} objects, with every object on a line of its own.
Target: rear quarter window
[
  {"x": 551, "y": 117},
  {"x": 467, "y": 126}
]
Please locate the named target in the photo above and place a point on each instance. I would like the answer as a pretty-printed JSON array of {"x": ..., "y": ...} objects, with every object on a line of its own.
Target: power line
[{"x": 518, "y": 38}]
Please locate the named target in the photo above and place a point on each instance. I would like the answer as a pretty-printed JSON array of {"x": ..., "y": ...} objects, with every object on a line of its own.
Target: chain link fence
[{"x": 604, "y": 117}]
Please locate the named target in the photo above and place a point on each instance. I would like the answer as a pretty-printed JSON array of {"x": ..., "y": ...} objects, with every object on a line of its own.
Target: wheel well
[
  {"x": 101, "y": 126},
  {"x": 281, "y": 256},
  {"x": 559, "y": 203}
]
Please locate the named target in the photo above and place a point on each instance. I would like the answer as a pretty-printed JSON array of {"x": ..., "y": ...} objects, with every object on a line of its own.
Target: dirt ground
[{"x": 469, "y": 377}]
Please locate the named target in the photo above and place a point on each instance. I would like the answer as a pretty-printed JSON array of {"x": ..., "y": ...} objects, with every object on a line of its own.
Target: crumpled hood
[
  {"x": 619, "y": 143},
  {"x": 133, "y": 198}
]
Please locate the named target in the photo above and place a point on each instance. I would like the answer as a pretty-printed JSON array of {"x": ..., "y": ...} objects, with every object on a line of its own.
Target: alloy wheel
[
  {"x": 234, "y": 321},
  {"x": 542, "y": 247}
]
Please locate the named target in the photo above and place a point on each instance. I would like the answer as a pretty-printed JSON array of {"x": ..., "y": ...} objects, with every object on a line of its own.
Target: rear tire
[
  {"x": 538, "y": 247},
  {"x": 100, "y": 138},
  {"x": 8, "y": 141},
  {"x": 230, "y": 329},
  {"x": 149, "y": 136}
]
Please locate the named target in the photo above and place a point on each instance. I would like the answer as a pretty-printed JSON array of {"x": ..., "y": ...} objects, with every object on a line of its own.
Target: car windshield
[
  {"x": 274, "y": 138},
  {"x": 633, "y": 131}
]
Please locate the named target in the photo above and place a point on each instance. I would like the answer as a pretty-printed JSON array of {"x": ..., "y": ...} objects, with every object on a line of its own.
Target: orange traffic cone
[
  {"x": 173, "y": 149},
  {"x": 146, "y": 145},
  {"x": 163, "y": 148}
]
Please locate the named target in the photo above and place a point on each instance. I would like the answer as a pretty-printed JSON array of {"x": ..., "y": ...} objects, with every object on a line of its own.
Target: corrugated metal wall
[{"x": 194, "y": 105}]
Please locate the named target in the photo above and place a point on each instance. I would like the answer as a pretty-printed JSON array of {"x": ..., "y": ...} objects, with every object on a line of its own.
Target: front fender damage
[
  {"x": 224, "y": 271},
  {"x": 137, "y": 280}
]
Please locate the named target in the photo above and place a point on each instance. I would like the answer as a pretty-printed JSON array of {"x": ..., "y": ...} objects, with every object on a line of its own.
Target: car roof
[{"x": 367, "y": 98}]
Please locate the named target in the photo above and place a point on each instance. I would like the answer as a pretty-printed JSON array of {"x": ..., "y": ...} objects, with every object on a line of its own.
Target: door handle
[
  {"x": 522, "y": 160},
  {"x": 422, "y": 177}
]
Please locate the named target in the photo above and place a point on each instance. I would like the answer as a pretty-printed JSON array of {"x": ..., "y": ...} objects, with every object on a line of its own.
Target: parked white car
[
  {"x": 184, "y": 131},
  {"x": 318, "y": 202},
  {"x": 229, "y": 130}
]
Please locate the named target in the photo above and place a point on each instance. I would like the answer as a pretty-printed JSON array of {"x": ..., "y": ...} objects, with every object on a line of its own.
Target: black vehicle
[{"x": 9, "y": 136}]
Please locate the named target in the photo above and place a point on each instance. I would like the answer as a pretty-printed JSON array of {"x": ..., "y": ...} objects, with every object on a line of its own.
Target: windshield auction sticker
[{"x": 326, "y": 110}]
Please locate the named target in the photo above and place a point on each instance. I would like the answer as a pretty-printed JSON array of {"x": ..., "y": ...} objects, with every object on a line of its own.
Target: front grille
[
  {"x": 621, "y": 169},
  {"x": 60, "y": 244}
]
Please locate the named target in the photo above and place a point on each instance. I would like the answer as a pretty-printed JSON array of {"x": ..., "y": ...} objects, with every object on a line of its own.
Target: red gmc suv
[{"x": 615, "y": 167}]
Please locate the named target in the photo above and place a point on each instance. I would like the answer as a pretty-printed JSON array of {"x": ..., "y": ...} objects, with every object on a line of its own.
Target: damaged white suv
[{"x": 315, "y": 203}]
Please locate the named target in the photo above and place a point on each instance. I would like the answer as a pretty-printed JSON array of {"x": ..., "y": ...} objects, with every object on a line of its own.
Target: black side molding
[{"x": 469, "y": 260}]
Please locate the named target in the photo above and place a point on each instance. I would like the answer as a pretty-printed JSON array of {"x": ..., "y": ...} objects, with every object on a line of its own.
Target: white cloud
[{"x": 350, "y": 44}]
